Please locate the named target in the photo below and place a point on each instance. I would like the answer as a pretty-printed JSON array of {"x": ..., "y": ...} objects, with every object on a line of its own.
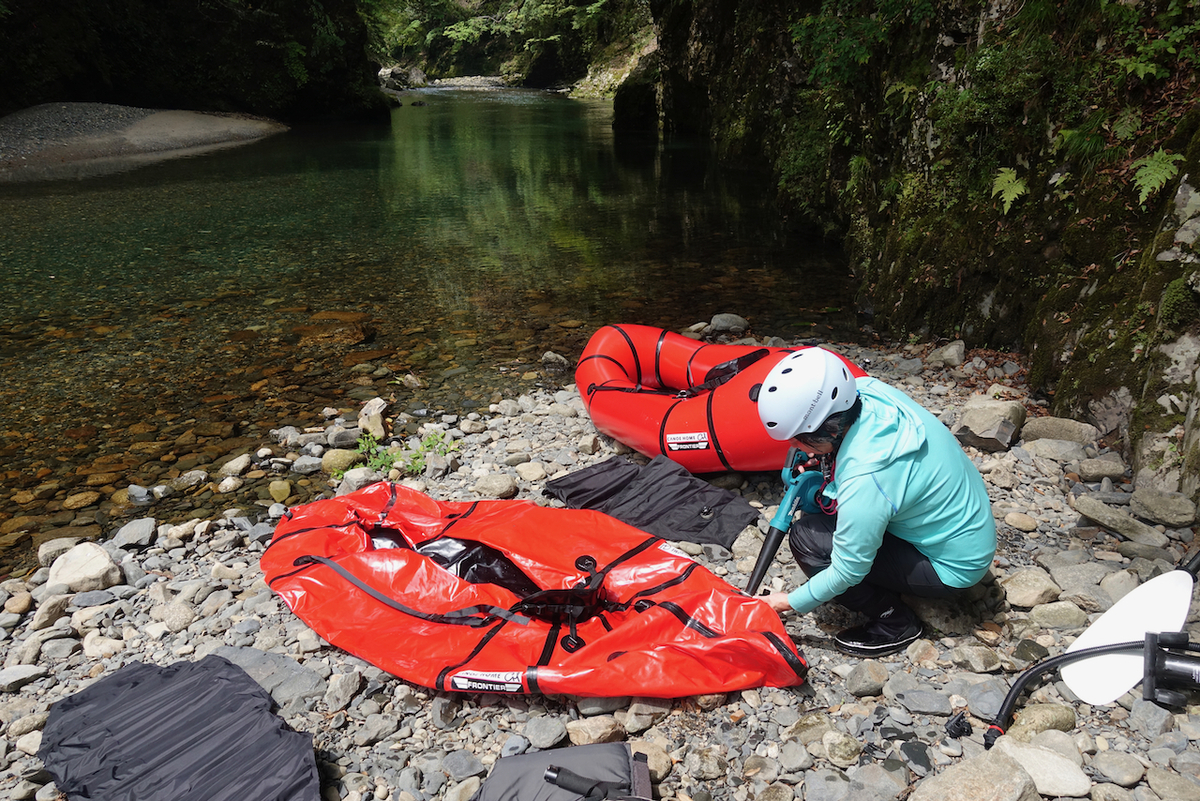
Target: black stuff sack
[
  {"x": 580, "y": 773},
  {"x": 660, "y": 498},
  {"x": 192, "y": 731}
]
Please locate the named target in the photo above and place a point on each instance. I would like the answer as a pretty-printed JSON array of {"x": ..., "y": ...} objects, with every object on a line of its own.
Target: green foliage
[
  {"x": 1179, "y": 305},
  {"x": 1153, "y": 172},
  {"x": 840, "y": 39},
  {"x": 409, "y": 461},
  {"x": 1086, "y": 144},
  {"x": 1008, "y": 186},
  {"x": 445, "y": 35},
  {"x": 1158, "y": 44}
]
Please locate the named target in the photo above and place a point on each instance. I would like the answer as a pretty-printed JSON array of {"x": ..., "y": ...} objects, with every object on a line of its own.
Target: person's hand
[{"x": 778, "y": 601}]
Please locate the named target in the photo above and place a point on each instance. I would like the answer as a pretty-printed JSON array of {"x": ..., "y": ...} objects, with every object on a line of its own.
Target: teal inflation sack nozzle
[{"x": 797, "y": 483}]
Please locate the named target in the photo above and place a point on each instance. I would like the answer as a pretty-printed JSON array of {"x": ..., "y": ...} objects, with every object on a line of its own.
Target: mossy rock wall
[{"x": 1008, "y": 174}]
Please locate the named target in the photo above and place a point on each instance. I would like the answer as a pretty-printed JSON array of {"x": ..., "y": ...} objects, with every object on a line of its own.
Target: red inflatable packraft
[
  {"x": 510, "y": 597},
  {"x": 695, "y": 403}
]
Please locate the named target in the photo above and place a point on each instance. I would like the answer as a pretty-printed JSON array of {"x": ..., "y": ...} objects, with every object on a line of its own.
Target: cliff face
[
  {"x": 276, "y": 58},
  {"x": 1012, "y": 174}
]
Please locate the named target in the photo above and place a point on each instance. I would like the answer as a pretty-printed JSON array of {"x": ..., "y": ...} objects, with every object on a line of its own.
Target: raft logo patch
[
  {"x": 488, "y": 681},
  {"x": 691, "y": 441}
]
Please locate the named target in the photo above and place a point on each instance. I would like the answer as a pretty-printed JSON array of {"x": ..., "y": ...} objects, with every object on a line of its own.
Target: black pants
[{"x": 899, "y": 568}]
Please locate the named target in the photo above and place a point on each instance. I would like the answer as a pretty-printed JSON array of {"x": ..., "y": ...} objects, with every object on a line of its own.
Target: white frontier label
[
  {"x": 499, "y": 681},
  {"x": 692, "y": 441}
]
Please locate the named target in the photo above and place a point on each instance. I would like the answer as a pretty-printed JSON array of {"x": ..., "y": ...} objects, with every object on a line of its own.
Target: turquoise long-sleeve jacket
[{"x": 900, "y": 470}]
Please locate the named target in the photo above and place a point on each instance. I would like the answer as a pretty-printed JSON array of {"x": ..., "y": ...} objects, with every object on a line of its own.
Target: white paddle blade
[{"x": 1161, "y": 604}]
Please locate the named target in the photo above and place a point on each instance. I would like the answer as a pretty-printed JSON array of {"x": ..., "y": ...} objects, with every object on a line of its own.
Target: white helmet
[{"x": 802, "y": 391}]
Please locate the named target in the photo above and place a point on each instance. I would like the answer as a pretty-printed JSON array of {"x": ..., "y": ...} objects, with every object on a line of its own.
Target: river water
[{"x": 455, "y": 246}]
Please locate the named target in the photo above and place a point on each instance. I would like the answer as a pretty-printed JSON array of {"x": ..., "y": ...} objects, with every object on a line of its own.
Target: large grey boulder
[
  {"x": 992, "y": 776},
  {"x": 1059, "y": 428},
  {"x": 1172, "y": 509},
  {"x": 86, "y": 567},
  {"x": 988, "y": 424},
  {"x": 1120, "y": 522}
]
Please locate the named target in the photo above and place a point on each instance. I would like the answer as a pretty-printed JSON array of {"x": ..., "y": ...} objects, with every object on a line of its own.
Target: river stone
[
  {"x": 975, "y": 658},
  {"x": 841, "y": 749},
  {"x": 1053, "y": 774},
  {"x": 992, "y": 776},
  {"x": 49, "y": 611},
  {"x": 776, "y": 792},
  {"x": 875, "y": 780},
  {"x": 1060, "y": 742},
  {"x": 280, "y": 675},
  {"x": 644, "y": 713},
  {"x": 826, "y": 784},
  {"x": 1119, "y": 522},
  {"x": 706, "y": 764},
  {"x": 794, "y": 757},
  {"x": 462, "y": 764},
  {"x": 544, "y": 731},
  {"x": 1036, "y": 718},
  {"x": 342, "y": 689},
  {"x": 810, "y": 728},
  {"x": 760, "y": 769},
  {"x": 280, "y": 490},
  {"x": 1021, "y": 521},
  {"x": 236, "y": 466},
  {"x": 867, "y": 678},
  {"x": 85, "y": 567},
  {"x": 598, "y": 729},
  {"x": 1118, "y": 768},
  {"x": 925, "y": 702},
  {"x": 375, "y": 728},
  {"x": 726, "y": 323},
  {"x": 1059, "y": 428},
  {"x": 1100, "y": 469},
  {"x": 952, "y": 355},
  {"x": 1030, "y": 587},
  {"x": 96, "y": 646},
  {"x": 1056, "y": 450},
  {"x": 657, "y": 758},
  {"x": 50, "y": 550},
  {"x": 462, "y": 791},
  {"x": 1058, "y": 615},
  {"x": 338, "y": 460},
  {"x": 984, "y": 699},
  {"x": 15, "y": 677},
  {"x": 1150, "y": 719},
  {"x": 1119, "y": 584},
  {"x": 1170, "y": 785},
  {"x": 1171, "y": 509},
  {"x": 1110, "y": 792},
  {"x": 81, "y": 499},
  {"x": 496, "y": 485}
]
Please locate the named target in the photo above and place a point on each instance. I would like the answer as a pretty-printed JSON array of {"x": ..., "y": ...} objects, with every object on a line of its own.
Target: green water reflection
[{"x": 470, "y": 229}]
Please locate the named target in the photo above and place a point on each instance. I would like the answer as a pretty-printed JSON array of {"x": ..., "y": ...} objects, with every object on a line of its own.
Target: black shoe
[{"x": 894, "y": 631}]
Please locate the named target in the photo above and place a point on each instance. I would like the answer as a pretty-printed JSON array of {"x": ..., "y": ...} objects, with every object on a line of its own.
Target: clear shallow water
[{"x": 477, "y": 230}]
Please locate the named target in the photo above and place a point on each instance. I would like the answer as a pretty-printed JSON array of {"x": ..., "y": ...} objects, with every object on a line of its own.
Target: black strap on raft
[
  {"x": 472, "y": 616},
  {"x": 723, "y": 372}
]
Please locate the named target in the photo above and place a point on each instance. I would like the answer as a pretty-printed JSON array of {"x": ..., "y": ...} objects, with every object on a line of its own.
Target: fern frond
[
  {"x": 1008, "y": 186},
  {"x": 1153, "y": 172}
]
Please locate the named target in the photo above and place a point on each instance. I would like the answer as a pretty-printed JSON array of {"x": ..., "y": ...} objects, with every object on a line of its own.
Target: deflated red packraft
[
  {"x": 695, "y": 403},
  {"x": 507, "y": 596}
]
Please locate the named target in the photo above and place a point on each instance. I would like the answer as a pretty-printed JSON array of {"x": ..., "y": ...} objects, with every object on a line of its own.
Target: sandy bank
[{"x": 78, "y": 140}]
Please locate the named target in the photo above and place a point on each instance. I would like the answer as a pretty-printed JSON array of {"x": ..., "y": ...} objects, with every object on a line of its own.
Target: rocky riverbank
[{"x": 138, "y": 588}]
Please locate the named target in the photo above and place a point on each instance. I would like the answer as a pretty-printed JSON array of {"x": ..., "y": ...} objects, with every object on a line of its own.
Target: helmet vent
[
  {"x": 833, "y": 395},
  {"x": 785, "y": 371}
]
